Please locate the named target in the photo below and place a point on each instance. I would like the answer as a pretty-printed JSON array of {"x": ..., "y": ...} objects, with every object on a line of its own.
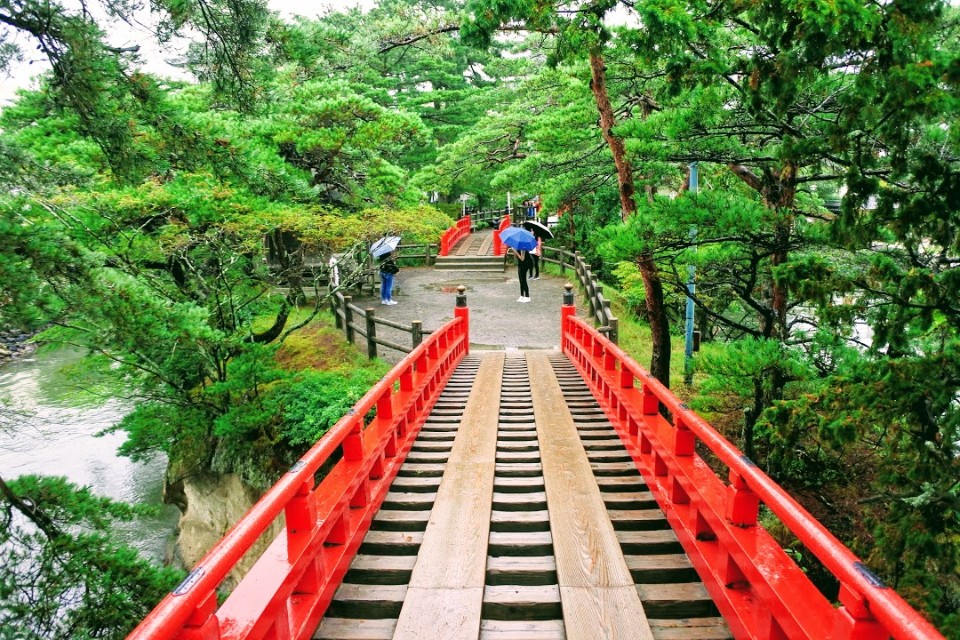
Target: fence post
[
  {"x": 348, "y": 318},
  {"x": 335, "y": 308},
  {"x": 614, "y": 334},
  {"x": 371, "y": 334},
  {"x": 462, "y": 311},
  {"x": 416, "y": 332},
  {"x": 568, "y": 309}
]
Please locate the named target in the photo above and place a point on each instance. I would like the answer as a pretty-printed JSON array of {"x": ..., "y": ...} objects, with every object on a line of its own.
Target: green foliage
[
  {"x": 64, "y": 577},
  {"x": 319, "y": 399},
  {"x": 631, "y": 286},
  {"x": 137, "y": 209}
]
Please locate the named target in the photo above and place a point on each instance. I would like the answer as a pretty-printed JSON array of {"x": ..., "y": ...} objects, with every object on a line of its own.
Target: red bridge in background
[{"x": 519, "y": 495}]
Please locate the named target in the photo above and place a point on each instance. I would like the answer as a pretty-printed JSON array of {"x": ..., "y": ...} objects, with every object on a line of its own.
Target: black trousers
[
  {"x": 522, "y": 270},
  {"x": 536, "y": 265}
]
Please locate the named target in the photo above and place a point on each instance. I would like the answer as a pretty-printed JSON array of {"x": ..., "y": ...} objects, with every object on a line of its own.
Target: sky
[{"x": 154, "y": 57}]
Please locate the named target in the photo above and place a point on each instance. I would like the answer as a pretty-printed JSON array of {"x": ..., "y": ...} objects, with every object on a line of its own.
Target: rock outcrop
[{"x": 210, "y": 506}]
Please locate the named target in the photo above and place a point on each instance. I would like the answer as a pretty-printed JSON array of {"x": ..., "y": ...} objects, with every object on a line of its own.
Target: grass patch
[{"x": 320, "y": 346}]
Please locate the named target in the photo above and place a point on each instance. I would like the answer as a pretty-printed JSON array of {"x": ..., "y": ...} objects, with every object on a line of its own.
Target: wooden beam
[
  {"x": 597, "y": 592},
  {"x": 445, "y": 594}
]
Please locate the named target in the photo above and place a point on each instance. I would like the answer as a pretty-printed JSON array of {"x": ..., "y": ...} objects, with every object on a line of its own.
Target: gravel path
[{"x": 497, "y": 320}]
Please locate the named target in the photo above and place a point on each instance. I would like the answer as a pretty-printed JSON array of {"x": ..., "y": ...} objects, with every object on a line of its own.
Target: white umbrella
[{"x": 385, "y": 245}]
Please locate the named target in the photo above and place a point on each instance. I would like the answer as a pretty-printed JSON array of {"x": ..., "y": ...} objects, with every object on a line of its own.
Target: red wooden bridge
[{"x": 526, "y": 495}]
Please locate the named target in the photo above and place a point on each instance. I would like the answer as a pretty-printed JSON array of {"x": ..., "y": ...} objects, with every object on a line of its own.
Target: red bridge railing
[
  {"x": 453, "y": 235},
  {"x": 290, "y": 587},
  {"x": 758, "y": 588},
  {"x": 498, "y": 246}
]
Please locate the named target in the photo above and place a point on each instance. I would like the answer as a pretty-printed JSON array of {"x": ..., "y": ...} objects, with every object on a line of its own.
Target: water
[{"x": 48, "y": 426}]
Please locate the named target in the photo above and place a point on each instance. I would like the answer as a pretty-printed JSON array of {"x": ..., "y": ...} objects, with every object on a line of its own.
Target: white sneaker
[
  {"x": 384, "y": 302},
  {"x": 391, "y": 302},
  {"x": 521, "y": 299}
]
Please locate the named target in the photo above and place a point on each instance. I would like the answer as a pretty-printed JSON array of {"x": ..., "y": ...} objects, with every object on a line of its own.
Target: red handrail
[
  {"x": 453, "y": 235},
  {"x": 498, "y": 246},
  {"x": 758, "y": 588},
  {"x": 287, "y": 591}
]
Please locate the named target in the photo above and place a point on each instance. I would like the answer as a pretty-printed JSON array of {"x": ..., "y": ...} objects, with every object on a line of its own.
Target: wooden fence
[
  {"x": 354, "y": 321},
  {"x": 607, "y": 323},
  {"x": 490, "y": 218}
]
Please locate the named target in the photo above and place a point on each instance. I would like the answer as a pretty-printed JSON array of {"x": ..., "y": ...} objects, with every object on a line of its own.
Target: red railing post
[
  {"x": 202, "y": 624},
  {"x": 683, "y": 439},
  {"x": 568, "y": 309},
  {"x": 651, "y": 403},
  {"x": 498, "y": 249},
  {"x": 853, "y": 619},
  {"x": 462, "y": 311},
  {"x": 301, "y": 516},
  {"x": 743, "y": 505},
  {"x": 353, "y": 443},
  {"x": 385, "y": 405},
  {"x": 406, "y": 379}
]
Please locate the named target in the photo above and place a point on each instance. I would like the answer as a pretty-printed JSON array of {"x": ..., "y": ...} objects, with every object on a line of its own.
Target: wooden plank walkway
[
  {"x": 445, "y": 593},
  {"x": 478, "y": 243},
  {"x": 599, "y": 597},
  {"x": 518, "y": 515}
]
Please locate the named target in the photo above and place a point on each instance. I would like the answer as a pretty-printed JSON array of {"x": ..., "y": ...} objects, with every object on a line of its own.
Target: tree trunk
[
  {"x": 750, "y": 419},
  {"x": 780, "y": 199},
  {"x": 657, "y": 316},
  {"x": 598, "y": 85},
  {"x": 778, "y": 189},
  {"x": 656, "y": 312}
]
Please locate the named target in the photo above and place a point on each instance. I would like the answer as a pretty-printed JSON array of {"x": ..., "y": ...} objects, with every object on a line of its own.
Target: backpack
[{"x": 389, "y": 266}]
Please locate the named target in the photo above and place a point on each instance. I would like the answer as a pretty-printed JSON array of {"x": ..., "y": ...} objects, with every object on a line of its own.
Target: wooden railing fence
[
  {"x": 354, "y": 321},
  {"x": 607, "y": 323},
  {"x": 491, "y": 217}
]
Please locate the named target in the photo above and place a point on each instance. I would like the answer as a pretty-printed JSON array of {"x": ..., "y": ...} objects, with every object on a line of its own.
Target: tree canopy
[{"x": 160, "y": 224}]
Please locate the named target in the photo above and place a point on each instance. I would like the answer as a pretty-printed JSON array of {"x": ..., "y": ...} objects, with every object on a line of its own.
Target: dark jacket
[{"x": 388, "y": 265}]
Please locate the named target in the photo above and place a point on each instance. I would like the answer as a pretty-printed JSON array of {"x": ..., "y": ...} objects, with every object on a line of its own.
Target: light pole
[{"x": 691, "y": 290}]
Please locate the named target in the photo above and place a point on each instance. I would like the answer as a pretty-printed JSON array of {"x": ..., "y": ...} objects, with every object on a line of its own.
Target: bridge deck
[
  {"x": 477, "y": 243},
  {"x": 518, "y": 514}
]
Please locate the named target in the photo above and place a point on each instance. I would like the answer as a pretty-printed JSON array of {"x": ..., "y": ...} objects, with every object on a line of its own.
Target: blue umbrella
[{"x": 519, "y": 239}]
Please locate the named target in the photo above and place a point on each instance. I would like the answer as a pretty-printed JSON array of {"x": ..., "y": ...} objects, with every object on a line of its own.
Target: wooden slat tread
[
  {"x": 353, "y": 629},
  {"x": 522, "y": 630}
]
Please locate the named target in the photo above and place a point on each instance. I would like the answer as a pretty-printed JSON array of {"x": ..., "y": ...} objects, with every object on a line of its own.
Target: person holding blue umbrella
[{"x": 521, "y": 242}]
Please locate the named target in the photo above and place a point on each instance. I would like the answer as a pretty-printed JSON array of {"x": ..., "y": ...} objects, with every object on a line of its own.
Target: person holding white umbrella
[
  {"x": 388, "y": 269},
  {"x": 541, "y": 232},
  {"x": 383, "y": 250}
]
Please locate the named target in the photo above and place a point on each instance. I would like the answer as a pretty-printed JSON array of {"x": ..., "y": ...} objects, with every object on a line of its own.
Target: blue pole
[{"x": 691, "y": 289}]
